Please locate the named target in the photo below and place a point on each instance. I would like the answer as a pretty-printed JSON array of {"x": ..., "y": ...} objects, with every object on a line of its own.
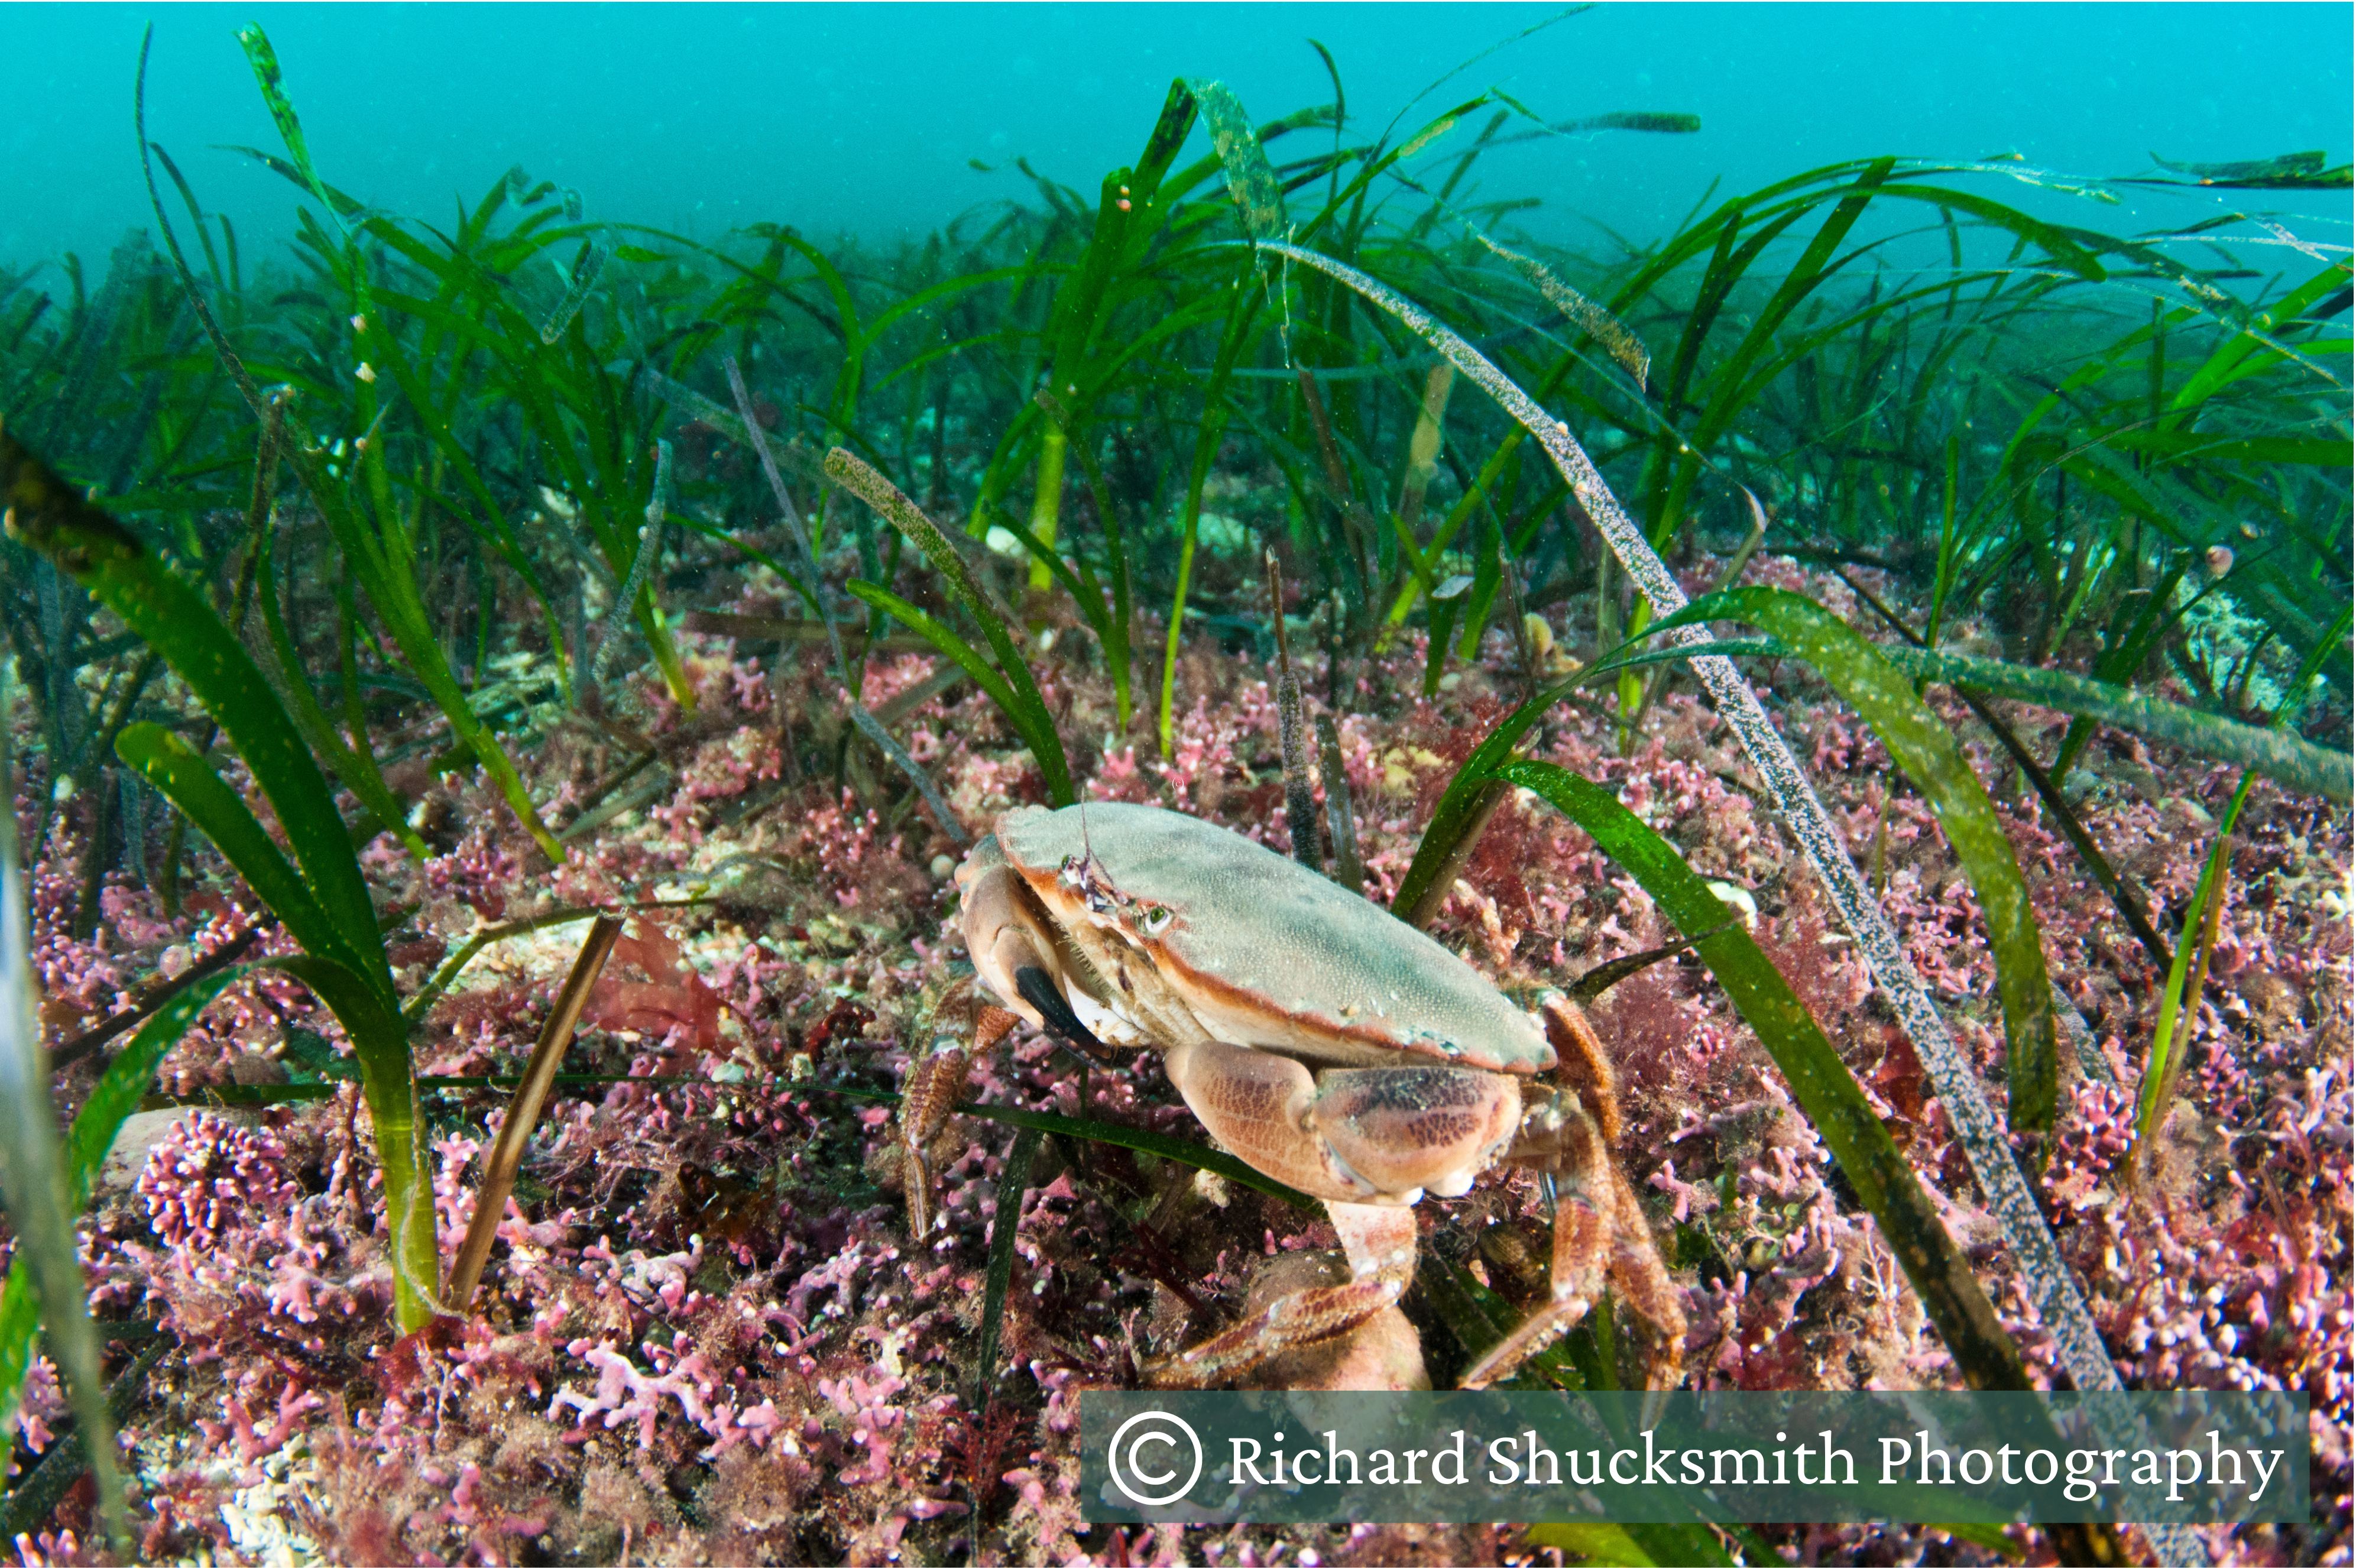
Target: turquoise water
[{"x": 867, "y": 120}]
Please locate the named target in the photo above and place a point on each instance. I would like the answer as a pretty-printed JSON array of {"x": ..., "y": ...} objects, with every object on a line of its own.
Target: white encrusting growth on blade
[
  {"x": 2051, "y": 1286},
  {"x": 650, "y": 537},
  {"x": 806, "y": 562}
]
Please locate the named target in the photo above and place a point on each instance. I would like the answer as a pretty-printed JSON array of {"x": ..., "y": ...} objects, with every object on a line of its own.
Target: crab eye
[{"x": 1153, "y": 919}]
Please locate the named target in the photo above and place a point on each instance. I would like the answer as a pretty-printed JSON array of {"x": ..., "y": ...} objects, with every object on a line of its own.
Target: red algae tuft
[{"x": 706, "y": 1331}]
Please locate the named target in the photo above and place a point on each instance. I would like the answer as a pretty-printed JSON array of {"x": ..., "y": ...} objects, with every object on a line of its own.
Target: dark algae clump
[{"x": 495, "y": 703}]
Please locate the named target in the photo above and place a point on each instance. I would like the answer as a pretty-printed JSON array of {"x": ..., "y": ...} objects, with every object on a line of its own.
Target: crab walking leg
[
  {"x": 1600, "y": 1233},
  {"x": 1643, "y": 1283},
  {"x": 1380, "y": 1240},
  {"x": 1368, "y": 1141},
  {"x": 1599, "y": 1228},
  {"x": 1583, "y": 1221},
  {"x": 934, "y": 1088},
  {"x": 1584, "y": 1066}
]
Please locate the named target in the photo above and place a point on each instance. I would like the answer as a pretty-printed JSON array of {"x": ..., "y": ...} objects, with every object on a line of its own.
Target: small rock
[
  {"x": 142, "y": 1131},
  {"x": 943, "y": 866},
  {"x": 255, "y": 1071}
]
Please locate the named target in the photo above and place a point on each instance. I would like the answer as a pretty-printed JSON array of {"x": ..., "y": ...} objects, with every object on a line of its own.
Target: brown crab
[{"x": 1321, "y": 1040}]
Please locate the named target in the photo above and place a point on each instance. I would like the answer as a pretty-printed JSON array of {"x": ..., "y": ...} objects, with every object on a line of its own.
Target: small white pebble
[{"x": 942, "y": 867}]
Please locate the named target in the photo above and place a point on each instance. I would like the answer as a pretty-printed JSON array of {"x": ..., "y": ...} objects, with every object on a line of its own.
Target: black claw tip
[{"x": 1039, "y": 991}]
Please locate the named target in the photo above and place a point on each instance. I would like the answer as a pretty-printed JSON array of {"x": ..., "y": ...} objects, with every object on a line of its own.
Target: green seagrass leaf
[
  {"x": 1013, "y": 1180},
  {"x": 272, "y": 82},
  {"x": 1921, "y": 743},
  {"x": 1022, "y": 703},
  {"x": 173, "y": 768},
  {"x": 36, "y": 1186},
  {"x": 1821, "y": 1083},
  {"x": 2275, "y": 752},
  {"x": 95, "y": 1127},
  {"x": 1465, "y": 806},
  {"x": 174, "y": 619}
]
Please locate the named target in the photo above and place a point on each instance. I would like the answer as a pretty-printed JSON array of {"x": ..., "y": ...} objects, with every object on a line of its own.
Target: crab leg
[
  {"x": 1643, "y": 1280},
  {"x": 934, "y": 1088},
  {"x": 1368, "y": 1141},
  {"x": 1380, "y": 1240},
  {"x": 1599, "y": 1228},
  {"x": 1584, "y": 1222},
  {"x": 1598, "y": 1234}
]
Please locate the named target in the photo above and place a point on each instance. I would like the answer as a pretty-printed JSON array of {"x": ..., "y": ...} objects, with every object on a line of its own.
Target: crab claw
[{"x": 1039, "y": 991}]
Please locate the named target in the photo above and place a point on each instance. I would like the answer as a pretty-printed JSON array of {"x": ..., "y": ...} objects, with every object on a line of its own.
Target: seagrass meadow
[{"x": 494, "y": 701}]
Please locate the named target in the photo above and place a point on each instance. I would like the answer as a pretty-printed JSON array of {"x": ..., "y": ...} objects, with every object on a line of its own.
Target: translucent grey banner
[{"x": 1724, "y": 1458}]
